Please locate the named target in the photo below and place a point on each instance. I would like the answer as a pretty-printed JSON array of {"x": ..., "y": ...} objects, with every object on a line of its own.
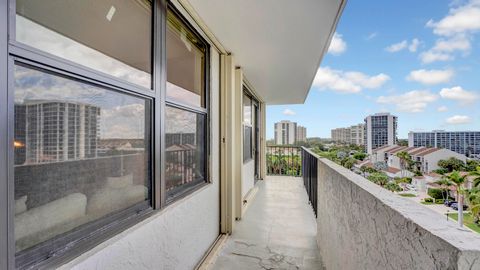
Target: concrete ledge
[{"x": 363, "y": 226}]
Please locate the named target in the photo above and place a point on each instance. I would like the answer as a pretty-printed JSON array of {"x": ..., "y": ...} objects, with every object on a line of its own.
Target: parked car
[
  {"x": 448, "y": 203},
  {"x": 454, "y": 206}
]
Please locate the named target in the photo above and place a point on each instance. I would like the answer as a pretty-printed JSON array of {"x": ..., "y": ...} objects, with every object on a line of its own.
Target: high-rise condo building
[
  {"x": 350, "y": 135},
  {"x": 285, "y": 132},
  {"x": 462, "y": 142},
  {"x": 380, "y": 130},
  {"x": 301, "y": 134},
  {"x": 52, "y": 131}
]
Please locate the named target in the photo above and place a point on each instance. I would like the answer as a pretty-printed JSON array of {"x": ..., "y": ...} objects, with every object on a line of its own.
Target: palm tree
[
  {"x": 405, "y": 161},
  {"x": 474, "y": 204},
  {"x": 456, "y": 179},
  {"x": 444, "y": 185},
  {"x": 476, "y": 175}
]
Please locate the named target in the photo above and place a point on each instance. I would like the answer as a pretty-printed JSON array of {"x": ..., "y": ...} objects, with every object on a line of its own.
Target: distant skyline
[{"x": 418, "y": 60}]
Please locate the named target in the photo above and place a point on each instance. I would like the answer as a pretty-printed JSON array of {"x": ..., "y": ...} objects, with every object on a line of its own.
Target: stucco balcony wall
[{"x": 363, "y": 226}]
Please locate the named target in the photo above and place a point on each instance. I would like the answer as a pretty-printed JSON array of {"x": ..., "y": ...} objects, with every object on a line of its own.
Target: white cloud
[
  {"x": 337, "y": 45},
  {"x": 347, "y": 81},
  {"x": 397, "y": 46},
  {"x": 457, "y": 93},
  {"x": 442, "y": 109},
  {"x": 289, "y": 112},
  {"x": 432, "y": 56},
  {"x": 456, "y": 43},
  {"x": 404, "y": 44},
  {"x": 444, "y": 48},
  {"x": 430, "y": 77},
  {"x": 413, "y": 101},
  {"x": 459, "y": 20},
  {"x": 458, "y": 120},
  {"x": 414, "y": 45},
  {"x": 458, "y": 27}
]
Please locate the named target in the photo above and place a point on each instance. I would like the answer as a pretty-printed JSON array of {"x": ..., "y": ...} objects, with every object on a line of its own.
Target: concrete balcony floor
[{"x": 278, "y": 230}]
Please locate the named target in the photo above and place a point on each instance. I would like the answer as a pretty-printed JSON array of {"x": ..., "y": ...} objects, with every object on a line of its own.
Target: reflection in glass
[
  {"x": 113, "y": 37},
  {"x": 81, "y": 153},
  {"x": 185, "y": 64},
  {"x": 247, "y": 110},
  {"x": 185, "y": 149}
]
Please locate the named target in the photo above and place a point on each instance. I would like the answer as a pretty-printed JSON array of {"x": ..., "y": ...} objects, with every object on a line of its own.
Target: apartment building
[
  {"x": 159, "y": 164},
  {"x": 301, "y": 134},
  {"x": 380, "y": 130},
  {"x": 462, "y": 142},
  {"x": 357, "y": 134},
  {"x": 341, "y": 135},
  {"x": 350, "y": 135},
  {"x": 425, "y": 158},
  {"x": 55, "y": 131},
  {"x": 285, "y": 132}
]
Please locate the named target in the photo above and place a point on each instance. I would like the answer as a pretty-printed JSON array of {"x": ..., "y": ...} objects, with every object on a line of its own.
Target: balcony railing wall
[
  {"x": 360, "y": 225},
  {"x": 284, "y": 160},
  {"x": 310, "y": 176}
]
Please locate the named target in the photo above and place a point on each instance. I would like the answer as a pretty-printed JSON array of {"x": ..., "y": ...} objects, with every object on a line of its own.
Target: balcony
[{"x": 358, "y": 226}]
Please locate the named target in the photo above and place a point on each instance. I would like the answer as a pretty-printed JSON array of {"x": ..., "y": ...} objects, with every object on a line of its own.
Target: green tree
[
  {"x": 393, "y": 187},
  {"x": 451, "y": 164},
  {"x": 380, "y": 179},
  {"x": 407, "y": 180},
  {"x": 476, "y": 176},
  {"x": 474, "y": 204},
  {"x": 406, "y": 161},
  {"x": 359, "y": 156},
  {"x": 457, "y": 180},
  {"x": 348, "y": 162},
  {"x": 472, "y": 165},
  {"x": 445, "y": 187}
]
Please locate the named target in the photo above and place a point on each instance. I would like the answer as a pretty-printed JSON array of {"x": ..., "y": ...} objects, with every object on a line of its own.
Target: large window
[
  {"x": 186, "y": 53},
  {"x": 110, "y": 36},
  {"x": 82, "y": 153},
  {"x": 84, "y": 123},
  {"x": 186, "y": 118}
]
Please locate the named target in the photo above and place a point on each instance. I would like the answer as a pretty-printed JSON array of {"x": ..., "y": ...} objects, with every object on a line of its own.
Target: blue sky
[{"x": 419, "y": 60}]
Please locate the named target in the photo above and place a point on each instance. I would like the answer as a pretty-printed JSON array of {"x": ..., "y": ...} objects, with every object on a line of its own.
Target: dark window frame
[
  {"x": 252, "y": 126},
  {"x": 187, "y": 189},
  {"x": 41, "y": 255},
  {"x": 12, "y": 52}
]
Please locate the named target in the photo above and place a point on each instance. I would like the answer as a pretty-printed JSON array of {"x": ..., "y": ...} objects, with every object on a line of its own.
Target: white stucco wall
[
  {"x": 363, "y": 226},
  {"x": 248, "y": 177},
  {"x": 176, "y": 237},
  {"x": 433, "y": 158}
]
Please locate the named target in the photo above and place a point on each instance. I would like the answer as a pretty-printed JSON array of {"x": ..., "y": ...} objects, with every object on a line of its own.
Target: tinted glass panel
[
  {"x": 247, "y": 143},
  {"x": 185, "y": 64},
  {"x": 81, "y": 153},
  {"x": 247, "y": 110},
  {"x": 110, "y": 36},
  {"x": 185, "y": 149}
]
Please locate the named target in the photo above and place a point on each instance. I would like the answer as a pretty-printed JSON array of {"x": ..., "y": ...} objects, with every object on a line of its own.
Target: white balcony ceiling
[{"x": 278, "y": 43}]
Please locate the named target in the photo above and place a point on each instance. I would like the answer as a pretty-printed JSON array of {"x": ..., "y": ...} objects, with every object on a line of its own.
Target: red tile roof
[
  {"x": 427, "y": 152},
  {"x": 393, "y": 170},
  {"x": 397, "y": 150}
]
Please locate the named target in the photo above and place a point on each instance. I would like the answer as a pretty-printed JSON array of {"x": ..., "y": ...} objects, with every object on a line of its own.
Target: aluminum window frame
[
  {"x": 253, "y": 123},
  {"x": 12, "y": 52},
  {"x": 189, "y": 188}
]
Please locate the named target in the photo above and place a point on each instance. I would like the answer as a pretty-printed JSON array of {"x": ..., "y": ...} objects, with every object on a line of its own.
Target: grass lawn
[
  {"x": 407, "y": 195},
  {"x": 467, "y": 221},
  {"x": 427, "y": 203}
]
